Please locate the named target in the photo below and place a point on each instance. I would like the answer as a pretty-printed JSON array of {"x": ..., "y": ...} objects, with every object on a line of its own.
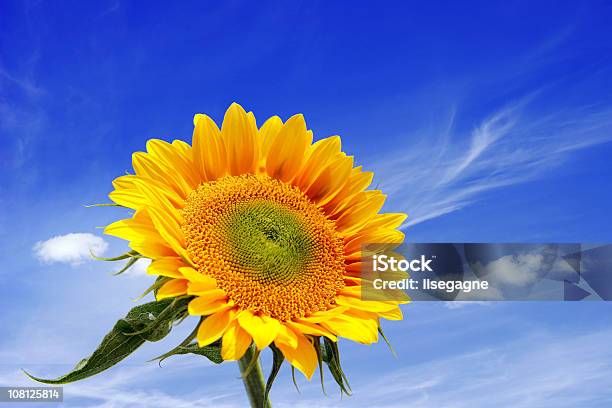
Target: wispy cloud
[
  {"x": 446, "y": 171},
  {"x": 26, "y": 84},
  {"x": 462, "y": 304},
  {"x": 72, "y": 248},
  {"x": 22, "y": 121},
  {"x": 124, "y": 389},
  {"x": 130, "y": 386},
  {"x": 538, "y": 370}
]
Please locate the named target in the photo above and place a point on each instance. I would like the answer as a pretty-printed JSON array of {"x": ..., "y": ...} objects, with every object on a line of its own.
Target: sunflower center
[{"x": 268, "y": 246}]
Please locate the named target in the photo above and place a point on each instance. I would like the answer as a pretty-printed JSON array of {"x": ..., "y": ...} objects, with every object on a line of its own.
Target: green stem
[{"x": 254, "y": 381}]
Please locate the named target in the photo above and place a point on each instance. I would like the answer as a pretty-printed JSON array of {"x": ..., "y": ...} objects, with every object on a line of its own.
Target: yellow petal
[
  {"x": 367, "y": 305},
  {"x": 267, "y": 134},
  {"x": 286, "y": 336},
  {"x": 311, "y": 328},
  {"x": 382, "y": 236},
  {"x": 241, "y": 140},
  {"x": 127, "y": 194},
  {"x": 323, "y": 315},
  {"x": 132, "y": 230},
  {"x": 263, "y": 329},
  {"x": 147, "y": 166},
  {"x": 355, "y": 280},
  {"x": 174, "y": 287},
  {"x": 141, "y": 233},
  {"x": 202, "y": 287},
  {"x": 361, "y": 213},
  {"x": 124, "y": 182},
  {"x": 358, "y": 181},
  {"x": 394, "y": 314},
  {"x": 174, "y": 161},
  {"x": 195, "y": 276},
  {"x": 359, "y": 267},
  {"x": 184, "y": 149},
  {"x": 201, "y": 306},
  {"x": 167, "y": 266},
  {"x": 213, "y": 327},
  {"x": 127, "y": 198},
  {"x": 171, "y": 232},
  {"x": 303, "y": 356},
  {"x": 156, "y": 198},
  {"x": 388, "y": 220},
  {"x": 361, "y": 330},
  {"x": 235, "y": 342},
  {"x": 197, "y": 117},
  {"x": 320, "y": 155},
  {"x": 212, "y": 294},
  {"x": 354, "y": 291},
  {"x": 152, "y": 249},
  {"x": 288, "y": 148},
  {"x": 209, "y": 152},
  {"x": 331, "y": 179}
]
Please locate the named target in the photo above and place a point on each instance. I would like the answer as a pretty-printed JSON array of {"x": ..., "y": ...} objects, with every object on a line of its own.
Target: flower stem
[{"x": 253, "y": 380}]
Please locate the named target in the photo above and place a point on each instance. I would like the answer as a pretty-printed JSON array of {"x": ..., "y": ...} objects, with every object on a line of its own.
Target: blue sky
[{"x": 484, "y": 122}]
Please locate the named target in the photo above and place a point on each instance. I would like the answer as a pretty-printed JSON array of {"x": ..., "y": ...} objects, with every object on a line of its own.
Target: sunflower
[{"x": 263, "y": 229}]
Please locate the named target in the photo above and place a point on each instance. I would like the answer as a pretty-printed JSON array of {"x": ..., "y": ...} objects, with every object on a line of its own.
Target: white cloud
[
  {"x": 72, "y": 248},
  {"x": 445, "y": 171},
  {"x": 515, "y": 270}
]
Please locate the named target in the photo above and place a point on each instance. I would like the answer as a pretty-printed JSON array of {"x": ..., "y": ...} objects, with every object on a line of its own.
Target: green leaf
[
  {"x": 382, "y": 334},
  {"x": 294, "y": 380},
  {"x": 331, "y": 357},
  {"x": 277, "y": 362},
  {"x": 127, "y": 266},
  {"x": 159, "y": 324},
  {"x": 211, "y": 352},
  {"x": 148, "y": 322},
  {"x": 104, "y": 205},
  {"x": 183, "y": 344},
  {"x": 317, "y": 346},
  {"x": 130, "y": 254}
]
